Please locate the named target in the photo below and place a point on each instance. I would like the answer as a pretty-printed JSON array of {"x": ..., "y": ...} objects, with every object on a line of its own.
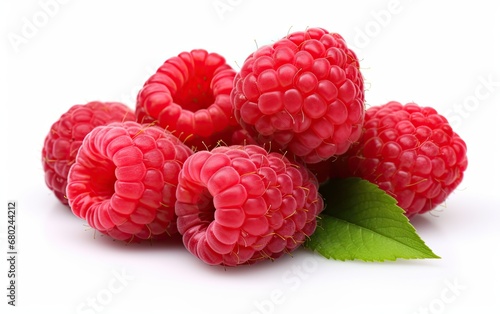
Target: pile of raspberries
[{"x": 231, "y": 161}]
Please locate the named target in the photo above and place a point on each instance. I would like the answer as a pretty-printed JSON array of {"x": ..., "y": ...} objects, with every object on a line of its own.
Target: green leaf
[{"x": 363, "y": 222}]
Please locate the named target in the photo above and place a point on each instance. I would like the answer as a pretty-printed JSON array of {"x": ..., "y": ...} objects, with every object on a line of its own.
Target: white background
[{"x": 439, "y": 54}]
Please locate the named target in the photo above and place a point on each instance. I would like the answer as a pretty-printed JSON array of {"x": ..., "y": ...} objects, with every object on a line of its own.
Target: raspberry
[
  {"x": 240, "y": 205},
  {"x": 409, "y": 151},
  {"x": 66, "y": 135},
  {"x": 304, "y": 95},
  {"x": 189, "y": 96},
  {"x": 124, "y": 179}
]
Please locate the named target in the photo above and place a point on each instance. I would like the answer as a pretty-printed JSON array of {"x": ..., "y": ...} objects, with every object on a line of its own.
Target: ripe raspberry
[
  {"x": 240, "y": 205},
  {"x": 189, "y": 96},
  {"x": 124, "y": 179},
  {"x": 304, "y": 94},
  {"x": 409, "y": 151},
  {"x": 66, "y": 135}
]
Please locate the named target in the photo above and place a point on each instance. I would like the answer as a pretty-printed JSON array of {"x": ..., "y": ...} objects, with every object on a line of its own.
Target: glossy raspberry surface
[
  {"x": 66, "y": 135},
  {"x": 240, "y": 205},
  {"x": 124, "y": 179},
  {"x": 304, "y": 95},
  {"x": 409, "y": 151},
  {"x": 189, "y": 96}
]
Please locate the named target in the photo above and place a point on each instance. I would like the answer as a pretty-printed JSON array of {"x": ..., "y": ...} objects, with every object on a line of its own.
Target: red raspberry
[
  {"x": 66, "y": 135},
  {"x": 124, "y": 179},
  {"x": 409, "y": 151},
  {"x": 189, "y": 96},
  {"x": 239, "y": 205},
  {"x": 304, "y": 94}
]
